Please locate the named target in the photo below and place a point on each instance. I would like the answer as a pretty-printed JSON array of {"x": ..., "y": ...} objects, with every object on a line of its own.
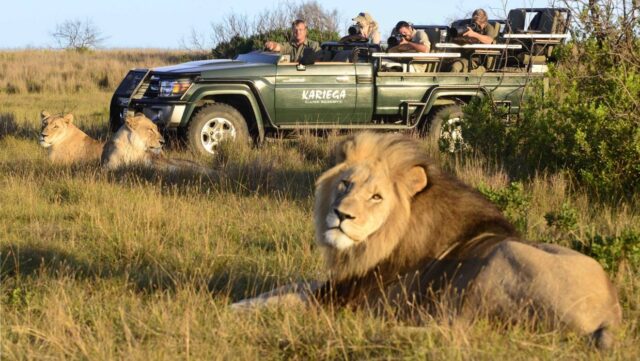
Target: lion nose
[
  {"x": 342, "y": 216},
  {"x": 161, "y": 141}
]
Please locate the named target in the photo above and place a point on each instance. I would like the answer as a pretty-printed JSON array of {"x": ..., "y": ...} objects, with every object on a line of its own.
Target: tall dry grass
[
  {"x": 71, "y": 72},
  {"x": 141, "y": 265}
]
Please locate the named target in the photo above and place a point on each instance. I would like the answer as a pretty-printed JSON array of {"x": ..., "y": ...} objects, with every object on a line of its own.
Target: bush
[
  {"x": 512, "y": 201},
  {"x": 613, "y": 251},
  {"x": 587, "y": 123},
  {"x": 241, "y": 45}
]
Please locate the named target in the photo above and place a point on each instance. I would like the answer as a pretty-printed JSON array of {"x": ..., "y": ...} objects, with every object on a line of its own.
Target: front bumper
[{"x": 165, "y": 115}]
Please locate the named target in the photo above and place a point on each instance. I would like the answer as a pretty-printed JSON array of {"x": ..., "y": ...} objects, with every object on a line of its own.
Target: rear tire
[
  {"x": 214, "y": 124},
  {"x": 445, "y": 129}
]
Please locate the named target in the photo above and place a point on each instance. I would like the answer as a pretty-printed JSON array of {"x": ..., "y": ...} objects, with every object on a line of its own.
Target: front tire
[
  {"x": 214, "y": 124},
  {"x": 445, "y": 130}
]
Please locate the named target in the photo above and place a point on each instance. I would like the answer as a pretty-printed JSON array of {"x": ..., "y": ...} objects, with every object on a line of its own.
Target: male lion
[
  {"x": 397, "y": 231},
  {"x": 138, "y": 141},
  {"x": 65, "y": 142}
]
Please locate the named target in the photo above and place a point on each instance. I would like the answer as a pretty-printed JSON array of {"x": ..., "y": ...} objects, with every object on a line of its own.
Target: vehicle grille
[
  {"x": 141, "y": 90},
  {"x": 153, "y": 87}
]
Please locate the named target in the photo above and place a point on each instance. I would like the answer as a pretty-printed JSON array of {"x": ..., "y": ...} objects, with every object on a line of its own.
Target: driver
[{"x": 298, "y": 43}]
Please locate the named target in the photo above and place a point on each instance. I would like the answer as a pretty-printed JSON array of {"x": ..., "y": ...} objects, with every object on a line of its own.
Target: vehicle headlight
[{"x": 173, "y": 88}]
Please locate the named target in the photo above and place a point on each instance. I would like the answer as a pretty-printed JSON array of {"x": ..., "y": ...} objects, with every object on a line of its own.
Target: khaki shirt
[
  {"x": 420, "y": 37},
  {"x": 295, "y": 51},
  {"x": 490, "y": 31}
]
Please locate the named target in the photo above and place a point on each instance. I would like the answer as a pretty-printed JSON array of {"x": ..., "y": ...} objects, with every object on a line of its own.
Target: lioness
[
  {"x": 138, "y": 141},
  {"x": 396, "y": 231},
  {"x": 65, "y": 142}
]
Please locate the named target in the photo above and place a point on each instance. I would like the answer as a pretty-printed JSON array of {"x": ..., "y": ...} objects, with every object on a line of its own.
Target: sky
[{"x": 168, "y": 24}]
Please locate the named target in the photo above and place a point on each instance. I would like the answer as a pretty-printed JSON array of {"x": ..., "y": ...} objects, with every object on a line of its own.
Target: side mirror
[{"x": 308, "y": 58}]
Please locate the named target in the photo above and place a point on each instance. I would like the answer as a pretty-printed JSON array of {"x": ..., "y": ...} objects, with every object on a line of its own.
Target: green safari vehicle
[{"x": 349, "y": 86}]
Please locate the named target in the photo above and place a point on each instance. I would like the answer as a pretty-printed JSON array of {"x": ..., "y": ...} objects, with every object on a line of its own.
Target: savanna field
[{"x": 142, "y": 265}]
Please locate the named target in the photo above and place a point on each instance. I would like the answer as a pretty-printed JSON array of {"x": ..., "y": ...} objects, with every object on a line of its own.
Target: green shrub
[
  {"x": 241, "y": 45},
  {"x": 612, "y": 251},
  {"x": 512, "y": 201},
  {"x": 587, "y": 123},
  {"x": 565, "y": 220}
]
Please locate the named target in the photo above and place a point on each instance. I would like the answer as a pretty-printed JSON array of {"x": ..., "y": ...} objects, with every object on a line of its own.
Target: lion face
[
  {"x": 361, "y": 201},
  {"x": 144, "y": 133},
  {"x": 54, "y": 128},
  {"x": 365, "y": 197}
]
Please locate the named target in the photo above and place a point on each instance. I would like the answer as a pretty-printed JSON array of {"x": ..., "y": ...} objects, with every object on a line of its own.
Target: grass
[{"x": 138, "y": 265}]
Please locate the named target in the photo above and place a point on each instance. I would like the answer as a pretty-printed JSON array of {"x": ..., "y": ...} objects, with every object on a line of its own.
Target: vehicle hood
[{"x": 215, "y": 67}]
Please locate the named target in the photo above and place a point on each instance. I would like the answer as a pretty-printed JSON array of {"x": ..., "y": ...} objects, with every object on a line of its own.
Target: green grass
[{"x": 137, "y": 265}]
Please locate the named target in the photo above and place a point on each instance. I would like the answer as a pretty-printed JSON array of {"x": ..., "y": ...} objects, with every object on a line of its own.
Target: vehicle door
[{"x": 322, "y": 93}]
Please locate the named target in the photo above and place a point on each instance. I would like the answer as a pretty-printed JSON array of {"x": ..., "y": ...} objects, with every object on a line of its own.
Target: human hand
[
  {"x": 270, "y": 45},
  {"x": 470, "y": 32}
]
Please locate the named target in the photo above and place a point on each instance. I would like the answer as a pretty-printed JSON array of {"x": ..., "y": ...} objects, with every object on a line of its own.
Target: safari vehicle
[{"x": 350, "y": 86}]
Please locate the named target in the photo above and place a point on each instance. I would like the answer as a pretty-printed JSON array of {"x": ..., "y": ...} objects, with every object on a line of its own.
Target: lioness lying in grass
[
  {"x": 65, "y": 142},
  {"x": 138, "y": 141}
]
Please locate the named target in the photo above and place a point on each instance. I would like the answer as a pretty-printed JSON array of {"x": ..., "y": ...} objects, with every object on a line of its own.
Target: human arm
[
  {"x": 419, "y": 43},
  {"x": 375, "y": 37},
  {"x": 272, "y": 46},
  {"x": 410, "y": 45},
  {"x": 482, "y": 38}
]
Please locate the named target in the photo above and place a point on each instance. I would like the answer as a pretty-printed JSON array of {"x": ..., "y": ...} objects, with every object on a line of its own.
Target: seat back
[
  {"x": 344, "y": 56},
  {"x": 516, "y": 21},
  {"x": 549, "y": 21},
  {"x": 434, "y": 36}
]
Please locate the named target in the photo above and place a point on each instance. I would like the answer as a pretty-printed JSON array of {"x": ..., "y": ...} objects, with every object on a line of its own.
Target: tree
[
  {"x": 77, "y": 35},
  {"x": 236, "y": 33}
]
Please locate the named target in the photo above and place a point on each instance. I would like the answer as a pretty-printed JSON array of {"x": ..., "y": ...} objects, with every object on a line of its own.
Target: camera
[
  {"x": 394, "y": 40},
  {"x": 462, "y": 26},
  {"x": 354, "y": 29}
]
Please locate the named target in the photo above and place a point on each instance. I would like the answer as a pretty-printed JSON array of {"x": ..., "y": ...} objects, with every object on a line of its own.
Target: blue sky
[{"x": 163, "y": 23}]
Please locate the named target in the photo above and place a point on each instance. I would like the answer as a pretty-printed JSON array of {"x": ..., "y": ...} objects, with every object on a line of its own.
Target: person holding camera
[
  {"x": 409, "y": 39},
  {"x": 367, "y": 27},
  {"x": 298, "y": 43},
  {"x": 479, "y": 31}
]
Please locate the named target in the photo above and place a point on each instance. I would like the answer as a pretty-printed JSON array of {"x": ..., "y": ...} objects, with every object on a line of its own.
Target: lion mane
[
  {"x": 65, "y": 142},
  {"x": 396, "y": 230}
]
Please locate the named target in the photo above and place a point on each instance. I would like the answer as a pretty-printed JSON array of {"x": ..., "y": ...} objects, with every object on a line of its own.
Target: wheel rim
[
  {"x": 214, "y": 132},
  {"x": 451, "y": 139}
]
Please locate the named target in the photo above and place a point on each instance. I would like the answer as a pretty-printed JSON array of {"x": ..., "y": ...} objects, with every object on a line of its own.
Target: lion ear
[
  {"x": 68, "y": 118},
  {"x": 415, "y": 179},
  {"x": 132, "y": 122},
  {"x": 326, "y": 177},
  {"x": 44, "y": 115},
  {"x": 342, "y": 151}
]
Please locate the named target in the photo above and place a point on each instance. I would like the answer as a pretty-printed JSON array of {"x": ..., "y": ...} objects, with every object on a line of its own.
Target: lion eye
[
  {"x": 376, "y": 197},
  {"x": 345, "y": 184}
]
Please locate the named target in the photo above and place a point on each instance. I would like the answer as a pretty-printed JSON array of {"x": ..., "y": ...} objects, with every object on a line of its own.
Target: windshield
[{"x": 259, "y": 57}]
